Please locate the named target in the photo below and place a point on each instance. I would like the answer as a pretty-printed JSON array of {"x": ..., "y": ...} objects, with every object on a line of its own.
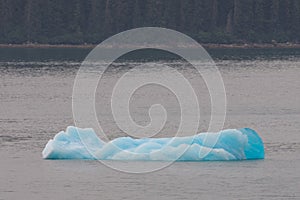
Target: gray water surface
[{"x": 263, "y": 93}]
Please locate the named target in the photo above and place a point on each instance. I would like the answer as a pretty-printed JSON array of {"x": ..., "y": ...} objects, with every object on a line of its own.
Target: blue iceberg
[{"x": 230, "y": 144}]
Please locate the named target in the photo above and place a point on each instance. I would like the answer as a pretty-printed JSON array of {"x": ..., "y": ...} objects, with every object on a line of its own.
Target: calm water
[{"x": 263, "y": 92}]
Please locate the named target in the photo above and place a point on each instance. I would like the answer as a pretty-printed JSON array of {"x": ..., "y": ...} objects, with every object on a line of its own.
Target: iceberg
[{"x": 230, "y": 144}]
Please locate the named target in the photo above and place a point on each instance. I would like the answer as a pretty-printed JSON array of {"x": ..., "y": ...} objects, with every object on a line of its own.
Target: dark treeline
[{"x": 91, "y": 21}]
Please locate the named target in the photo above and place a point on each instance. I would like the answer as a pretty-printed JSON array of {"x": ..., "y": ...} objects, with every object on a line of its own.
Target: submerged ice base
[{"x": 231, "y": 144}]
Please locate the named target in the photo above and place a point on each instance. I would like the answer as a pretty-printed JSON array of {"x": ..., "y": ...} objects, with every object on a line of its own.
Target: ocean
[{"x": 263, "y": 93}]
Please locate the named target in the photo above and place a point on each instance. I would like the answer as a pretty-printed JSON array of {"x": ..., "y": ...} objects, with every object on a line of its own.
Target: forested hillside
[{"x": 91, "y": 21}]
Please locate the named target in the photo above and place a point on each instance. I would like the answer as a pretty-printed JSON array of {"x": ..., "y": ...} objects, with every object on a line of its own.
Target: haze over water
[{"x": 263, "y": 93}]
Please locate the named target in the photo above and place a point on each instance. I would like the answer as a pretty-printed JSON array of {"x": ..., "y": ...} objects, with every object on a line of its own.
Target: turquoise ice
[{"x": 230, "y": 144}]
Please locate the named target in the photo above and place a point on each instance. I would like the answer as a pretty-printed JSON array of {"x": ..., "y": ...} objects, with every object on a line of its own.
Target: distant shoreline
[{"x": 206, "y": 45}]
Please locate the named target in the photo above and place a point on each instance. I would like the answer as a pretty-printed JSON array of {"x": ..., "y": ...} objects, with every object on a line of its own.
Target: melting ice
[{"x": 230, "y": 144}]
